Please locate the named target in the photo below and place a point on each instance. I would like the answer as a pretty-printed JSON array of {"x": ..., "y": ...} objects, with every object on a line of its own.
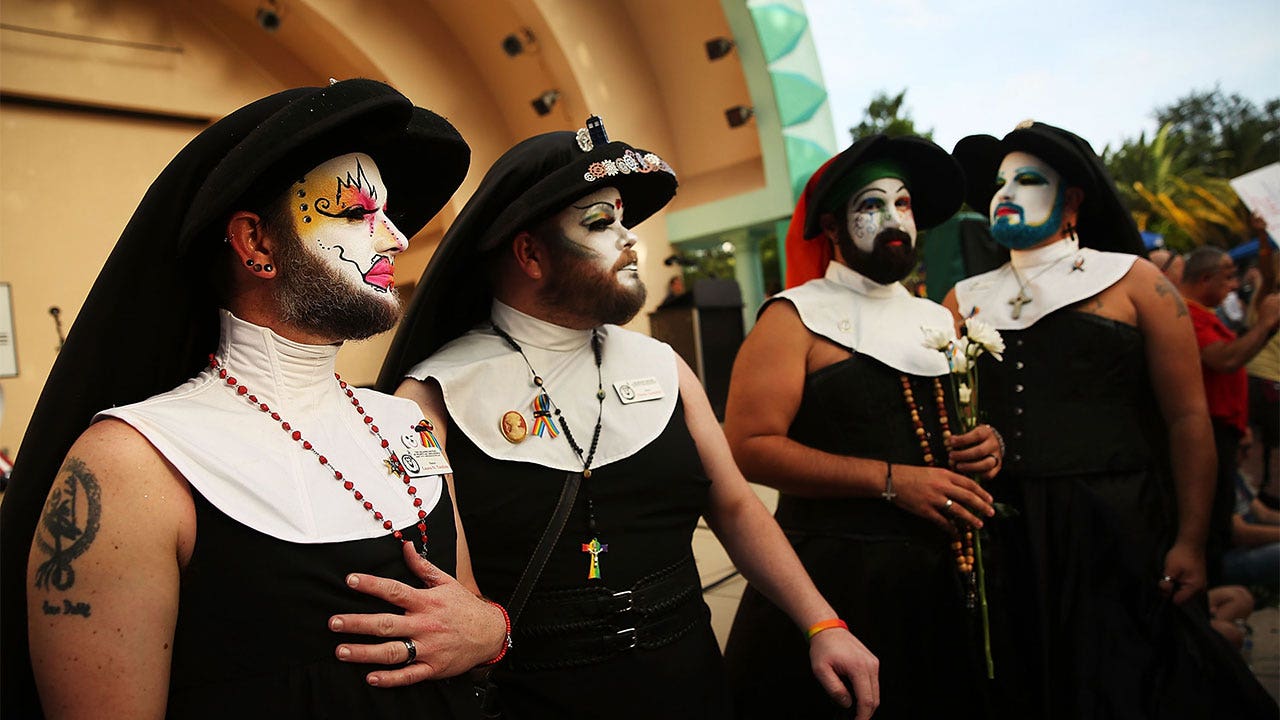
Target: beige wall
[
  {"x": 70, "y": 184},
  {"x": 70, "y": 180}
]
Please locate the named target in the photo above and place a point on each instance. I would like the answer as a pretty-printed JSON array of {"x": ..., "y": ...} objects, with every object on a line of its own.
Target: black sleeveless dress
[
  {"x": 253, "y": 638},
  {"x": 890, "y": 574},
  {"x": 1073, "y": 572},
  {"x": 589, "y": 648}
]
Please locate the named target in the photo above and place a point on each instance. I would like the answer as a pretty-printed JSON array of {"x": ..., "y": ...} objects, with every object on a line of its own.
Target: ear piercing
[{"x": 258, "y": 267}]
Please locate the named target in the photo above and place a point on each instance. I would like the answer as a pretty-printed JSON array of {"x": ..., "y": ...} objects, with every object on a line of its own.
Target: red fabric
[
  {"x": 1228, "y": 393},
  {"x": 806, "y": 258}
]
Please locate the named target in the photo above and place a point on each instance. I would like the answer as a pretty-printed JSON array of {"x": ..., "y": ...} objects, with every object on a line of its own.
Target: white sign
[
  {"x": 1260, "y": 192},
  {"x": 8, "y": 348}
]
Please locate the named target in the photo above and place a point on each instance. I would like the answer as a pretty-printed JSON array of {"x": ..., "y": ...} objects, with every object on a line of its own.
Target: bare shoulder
[
  {"x": 426, "y": 393},
  {"x": 1152, "y": 292},
  {"x": 778, "y": 316},
  {"x": 116, "y": 467},
  {"x": 116, "y": 447},
  {"x": 779, "y": 329},
  {"x": 951, "y": 303}
]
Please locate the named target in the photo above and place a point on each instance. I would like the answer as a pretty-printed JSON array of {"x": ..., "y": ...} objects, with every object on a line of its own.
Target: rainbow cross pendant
[{"x": 595, "y": 548}]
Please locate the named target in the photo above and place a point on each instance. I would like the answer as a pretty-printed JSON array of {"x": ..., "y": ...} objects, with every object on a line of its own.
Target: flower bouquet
[{"x": 962, "y": 353}]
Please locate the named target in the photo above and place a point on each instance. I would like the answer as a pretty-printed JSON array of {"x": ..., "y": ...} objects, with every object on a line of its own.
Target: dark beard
[
  {"x": 578, "y": 287},
  {"x": 310, "y": 295},
  {"x": 883, "y": 264}
]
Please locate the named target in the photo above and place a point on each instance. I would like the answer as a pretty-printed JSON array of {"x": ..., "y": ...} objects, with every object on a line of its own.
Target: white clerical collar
[
  {"x": 1037, "y": 282},
  {"x": 1025, "y": 261},
  {"x": 881, "y": 321},
  {"x": 530, "y": 331},
  {"x": 274, "y": 366},
  {"x": 485, "y": 381},
  {"x": 861, "y": 284},
  {"x": 249, "y": 466}
]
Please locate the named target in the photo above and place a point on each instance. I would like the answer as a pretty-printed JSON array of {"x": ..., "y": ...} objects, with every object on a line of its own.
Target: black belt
[{"x": 579, "y": 626}]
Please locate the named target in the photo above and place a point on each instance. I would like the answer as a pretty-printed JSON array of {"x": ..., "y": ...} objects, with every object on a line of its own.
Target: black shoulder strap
[{"x": 555, "y": 526}]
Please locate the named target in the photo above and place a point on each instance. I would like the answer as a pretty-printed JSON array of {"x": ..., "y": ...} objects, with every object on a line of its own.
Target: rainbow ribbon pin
[{"x": 542, "y": 420}]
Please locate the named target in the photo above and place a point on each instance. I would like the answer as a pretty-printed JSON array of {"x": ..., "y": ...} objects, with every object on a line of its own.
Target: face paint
[
  {"x": 340, "y": 212},
  {"x": 883, "y": 204},
  {"x": 1027, "y": 207},
  {"x": 594, "y": 266},
  {"x": 594, "y": 225}
]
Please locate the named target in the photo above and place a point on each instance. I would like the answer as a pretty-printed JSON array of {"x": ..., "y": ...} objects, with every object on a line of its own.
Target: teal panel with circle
[
  {"x": 779, "y": 28},
  {"x": 798, "y": 97}
]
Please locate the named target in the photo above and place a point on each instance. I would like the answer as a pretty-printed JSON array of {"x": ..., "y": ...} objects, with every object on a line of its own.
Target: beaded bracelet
[
  {"x": 506, "y": 645},
  {"x": 818, "y": 627}
]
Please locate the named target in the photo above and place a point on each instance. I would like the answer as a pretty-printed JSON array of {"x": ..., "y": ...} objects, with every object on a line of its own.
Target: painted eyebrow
[
  {"x": 591, "y": 205},
  {"x": 1034, "y": 171},
  {"x": 884, "y": 192}
]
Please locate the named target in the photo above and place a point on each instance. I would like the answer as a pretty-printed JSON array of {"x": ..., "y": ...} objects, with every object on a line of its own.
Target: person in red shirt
[{"x": 1208, "y": 277}]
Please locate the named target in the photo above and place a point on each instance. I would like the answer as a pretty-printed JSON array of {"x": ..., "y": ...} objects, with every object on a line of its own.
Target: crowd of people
[{"x": 206, "y": 520}]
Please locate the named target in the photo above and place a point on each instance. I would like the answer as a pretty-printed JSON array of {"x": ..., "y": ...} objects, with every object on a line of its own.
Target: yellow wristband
[{"x": 826, "y": 625}]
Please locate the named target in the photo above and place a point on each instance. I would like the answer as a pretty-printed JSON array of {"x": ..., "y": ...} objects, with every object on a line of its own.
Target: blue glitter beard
[{"x": 1022, "y": 235}]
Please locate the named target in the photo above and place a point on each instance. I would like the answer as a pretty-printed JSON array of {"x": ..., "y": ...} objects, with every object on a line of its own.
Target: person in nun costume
[
  {"x": 837, "y": 402},
  {"x": 549, "y": 404},
  {"x": 223, "y": 492},
  {"x": 1108, "y": 480}
]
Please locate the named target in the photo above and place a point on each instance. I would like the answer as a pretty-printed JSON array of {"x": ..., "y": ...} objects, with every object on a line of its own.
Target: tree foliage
[
  {"x": 1225, "y": 135},
  {"x": 887, "y": 114},
  {"x": 1176, "y": 182}
]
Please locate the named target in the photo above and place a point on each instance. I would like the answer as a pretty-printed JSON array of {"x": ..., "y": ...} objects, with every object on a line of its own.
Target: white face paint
[
  {"x": 1026, "y": 191},
  {"x": 340, "y": 212},
  {"x": 880, "y": 205},
  {"x": 594, "y": 223}
]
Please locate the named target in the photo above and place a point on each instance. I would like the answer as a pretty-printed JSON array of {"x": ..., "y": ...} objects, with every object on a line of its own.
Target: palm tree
[{"x": 1170, "y": 192}]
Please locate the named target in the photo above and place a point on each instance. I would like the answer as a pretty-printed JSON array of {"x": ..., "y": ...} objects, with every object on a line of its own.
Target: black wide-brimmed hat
[
  {"x": 274, "y": 141},
  {"x": 532, "y": 181},
  {"x": 1103, "y": 222},
  {"x": 151, "y": 319},
  {"x": 934, "y": 178}
]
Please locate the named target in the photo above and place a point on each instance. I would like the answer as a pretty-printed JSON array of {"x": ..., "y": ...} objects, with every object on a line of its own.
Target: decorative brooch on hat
[{"x": 630, "y": 162}]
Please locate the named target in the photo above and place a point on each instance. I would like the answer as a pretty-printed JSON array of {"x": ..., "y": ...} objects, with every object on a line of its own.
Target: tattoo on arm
[
  {"x": 1164, "y": 287},
  {"x": 66, "y": 530}
]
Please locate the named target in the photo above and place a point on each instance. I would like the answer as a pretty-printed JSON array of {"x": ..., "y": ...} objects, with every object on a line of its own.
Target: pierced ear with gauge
[{"x": 250, "y": 244}]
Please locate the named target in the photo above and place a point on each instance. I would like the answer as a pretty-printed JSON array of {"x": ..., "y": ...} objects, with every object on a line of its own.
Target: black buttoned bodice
[{"x": 1072, "y": 396}]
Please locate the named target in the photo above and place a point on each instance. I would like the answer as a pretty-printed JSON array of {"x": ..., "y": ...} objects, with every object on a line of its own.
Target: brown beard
[
  {"x": 884, "y": 264},
  {"x": 312, "y": 296},
  {"x": 578, "y": 287}
]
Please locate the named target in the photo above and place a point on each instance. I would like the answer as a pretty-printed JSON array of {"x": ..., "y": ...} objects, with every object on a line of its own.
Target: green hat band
[{"x": 858, "y": 178}]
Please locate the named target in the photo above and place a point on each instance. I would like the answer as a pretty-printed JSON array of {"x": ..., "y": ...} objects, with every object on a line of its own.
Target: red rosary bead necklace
[{"x": 393, "y": 462}]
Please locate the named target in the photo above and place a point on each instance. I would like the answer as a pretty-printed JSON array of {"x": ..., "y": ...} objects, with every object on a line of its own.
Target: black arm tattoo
[
  {"x": 69, "y": 525},
  {"x": 1164, "y": 287}
]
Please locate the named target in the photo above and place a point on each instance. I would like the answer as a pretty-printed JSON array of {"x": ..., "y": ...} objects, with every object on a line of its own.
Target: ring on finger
[
  {"x": 947, "y": 505},
  {"x": 412, "y": 648}
]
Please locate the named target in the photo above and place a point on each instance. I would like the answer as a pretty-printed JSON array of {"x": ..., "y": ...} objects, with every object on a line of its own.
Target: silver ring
[
  {"x": 1167, "y": 579},
  {"x": 947, "y": 505},
  {"x": 413, "y": 650}
]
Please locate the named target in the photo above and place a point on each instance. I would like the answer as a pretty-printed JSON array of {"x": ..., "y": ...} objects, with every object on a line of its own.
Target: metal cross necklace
[{"x": 1022, "y": 298}]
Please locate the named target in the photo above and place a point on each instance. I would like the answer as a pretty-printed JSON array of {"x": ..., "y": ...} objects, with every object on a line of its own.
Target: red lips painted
[{"x": 382, "y": 274}]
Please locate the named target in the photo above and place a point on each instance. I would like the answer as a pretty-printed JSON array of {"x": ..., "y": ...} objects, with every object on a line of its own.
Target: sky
[{"x": 1099, "y": 69}]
